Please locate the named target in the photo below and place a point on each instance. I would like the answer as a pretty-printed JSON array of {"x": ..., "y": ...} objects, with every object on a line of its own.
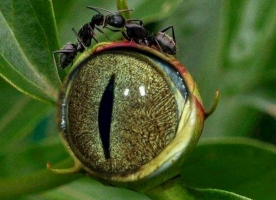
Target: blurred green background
[
  {"x": 225, "y": 45},
  {"x": 229, "y": 45}
]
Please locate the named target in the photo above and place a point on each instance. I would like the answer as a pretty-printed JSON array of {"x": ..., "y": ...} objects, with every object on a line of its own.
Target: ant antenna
[
  {"x": 125, "y": 10},
  {"x": 97, "y": 10}
]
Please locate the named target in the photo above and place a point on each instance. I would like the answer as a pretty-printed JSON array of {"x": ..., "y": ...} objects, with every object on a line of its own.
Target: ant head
[
  {"x": 117, "y": 20},
  {"x": 114, "y": 19},
  {"x": 98, "y": 19}
]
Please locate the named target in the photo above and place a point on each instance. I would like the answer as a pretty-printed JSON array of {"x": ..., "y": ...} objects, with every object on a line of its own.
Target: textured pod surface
[{"x": 122, "y": 112}]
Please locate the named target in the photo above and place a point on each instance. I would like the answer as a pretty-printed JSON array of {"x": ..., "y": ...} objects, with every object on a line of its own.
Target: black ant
[
  {"x": 70, "y": 50},
  {"x": 133, "y": 32},
  {"x": 86, "y": 34},
  {"x": 67, "y": 54},
  {"x": 114, "y": 19},
  {"x": 163, "y": 41},
  {"x": 136, "y": 31}
]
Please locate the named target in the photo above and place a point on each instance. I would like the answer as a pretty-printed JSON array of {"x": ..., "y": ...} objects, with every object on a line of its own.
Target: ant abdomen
[
  {"x": 166, "y": 43},
  {"x": 67, "y": 54}
]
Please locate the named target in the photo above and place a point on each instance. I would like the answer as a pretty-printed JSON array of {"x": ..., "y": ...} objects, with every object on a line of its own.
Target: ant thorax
[{"x": 97, "y": 20}]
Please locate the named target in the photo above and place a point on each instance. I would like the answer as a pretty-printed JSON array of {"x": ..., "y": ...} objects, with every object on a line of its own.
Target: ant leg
[
  {"x": 93, "y": 33},
  {"x": 126, "y": 37},
  {"x": 65, "y": 51},
  {"x": 170, "y": 27},
  {"x": 79, "y": 40},
  {"x": 131, "y": 41},
  {"x": 62, "y": 51},
  {"x": 125, "y": 10},
  {"x": 113, "y": 13},
  {"x": 95, "y": 39},
  {"x": 113, "y": 30},
  {"x": 90, "y": 7},
  {"x": 159, "y": 46},
  {"x": 136, "y": 20},
  {"x": 97, "y": 9},
  {"x": 102, "y": 33}
]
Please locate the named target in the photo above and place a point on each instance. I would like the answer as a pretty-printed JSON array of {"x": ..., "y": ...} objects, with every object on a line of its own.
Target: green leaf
[
  {"x": 247, "y": 48},
  {"x": 19, "y": 115},
  {"x": 25, "y": 169},
  {"x": 23, "y": 160},
  {"x": 151, "y": 11},
  {"x": 88, "y": 189},
  {"x": 176, "y": 190},
  {"x": 122, "y": 5},
  {"x": 229, "y": 46},
  {"x": 19, "y": 162},
  {"x": 214, "y": 194},
  {"x": 243, "y": 166},
  {"x": 28, "y": 37},
  {"x": 261, "y": 102}
]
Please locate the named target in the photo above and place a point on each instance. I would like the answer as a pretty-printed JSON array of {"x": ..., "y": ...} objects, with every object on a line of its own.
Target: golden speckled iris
[{"x": 144, "y": 116}]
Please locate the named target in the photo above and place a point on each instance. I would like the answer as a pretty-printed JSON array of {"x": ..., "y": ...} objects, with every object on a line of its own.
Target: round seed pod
[{"x": 128, "y": 112}]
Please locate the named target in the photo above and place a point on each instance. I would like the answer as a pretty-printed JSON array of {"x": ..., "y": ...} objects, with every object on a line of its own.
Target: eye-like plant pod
[{"x": 128, "y": 112}]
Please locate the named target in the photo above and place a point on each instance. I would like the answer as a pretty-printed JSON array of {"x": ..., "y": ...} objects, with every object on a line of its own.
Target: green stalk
[
  {"x": 170, "y": 190},
  {"x": 123, "y": 5}
]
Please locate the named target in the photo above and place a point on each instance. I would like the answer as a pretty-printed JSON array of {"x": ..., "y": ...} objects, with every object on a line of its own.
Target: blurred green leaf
[
  {"x": 261, "y": 102},
  {"x": 152, "y": 11},
  {"x": 19, "y": 162},
  {"x": 213, "y": 194},
  {"x": 243, "y": 166},
  {"x": 18, "y": 117},
  {"x": 28, "y": 37},
  {"x": 122, "y": 5},
  {"x": 23, "y": 162},
  {"x": 88, "y": 189},
  {"x": 230, "y": 46},
  {"x": 25, "y": 169},
  {"x": 175, "y": 189}
]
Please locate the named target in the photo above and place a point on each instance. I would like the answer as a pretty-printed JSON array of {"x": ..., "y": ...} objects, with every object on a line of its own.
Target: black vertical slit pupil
[{"x": 105, "y": 115}]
